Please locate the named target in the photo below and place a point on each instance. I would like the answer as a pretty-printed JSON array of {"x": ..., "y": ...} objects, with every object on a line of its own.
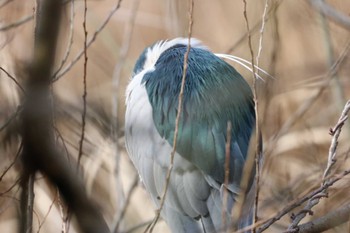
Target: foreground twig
[
  {"x": 257, "y": 136},
  {"x": 83, "y": 115}
]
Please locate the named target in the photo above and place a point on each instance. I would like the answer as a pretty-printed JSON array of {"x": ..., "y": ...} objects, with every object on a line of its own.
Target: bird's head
[{"x": 151, "y": 54}]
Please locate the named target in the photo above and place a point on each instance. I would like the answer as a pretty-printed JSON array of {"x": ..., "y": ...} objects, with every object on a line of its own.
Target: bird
[{"x": 214, "y": 94}]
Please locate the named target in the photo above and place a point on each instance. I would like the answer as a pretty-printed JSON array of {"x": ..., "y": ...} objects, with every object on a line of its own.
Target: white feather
[{"x": 246, "y": 64}]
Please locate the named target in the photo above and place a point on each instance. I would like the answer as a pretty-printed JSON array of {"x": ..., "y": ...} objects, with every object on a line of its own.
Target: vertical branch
[
  {"x": 177, "y": 121},
  {"x": 258, "y": 148},
  {"x": 257, "y": 128},
  {"x": 262, "y": 29},
  {"x": 83, "y": 116}
]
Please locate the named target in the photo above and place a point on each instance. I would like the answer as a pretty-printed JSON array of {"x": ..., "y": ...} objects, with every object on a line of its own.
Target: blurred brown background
[{"x": 297, "y": 107}]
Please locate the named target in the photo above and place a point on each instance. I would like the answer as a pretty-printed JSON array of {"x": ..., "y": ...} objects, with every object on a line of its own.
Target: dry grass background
[{"x": 298, "y": 50}]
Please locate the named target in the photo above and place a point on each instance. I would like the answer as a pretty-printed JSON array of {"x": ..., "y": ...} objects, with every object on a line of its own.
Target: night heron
[{"x": 214, "y": 94}]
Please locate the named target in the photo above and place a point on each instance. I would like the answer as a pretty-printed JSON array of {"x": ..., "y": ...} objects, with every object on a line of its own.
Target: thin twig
[
  {"x": 70, "y": 40},
  {"x": 254, "y": 29},
  {"x": 177, "y": 121},
  {"x": 83, "y": 116},
  {"x": 11, "y": 187},
  {"x": 13, "y": 79},
  {"x": 8, "y": 122},
  {"x": 335, "y": 132},
  {"x": 257, "y": 157},
  {"x": 262, "y": 29},
  {"x": 89, "y": 43},
  {"x": 13, "y": 162},
  {"x": 59, "y": 135},
  {"x": 256, "y": 104},
  {"x": 17, "y": 23},
  {"x": 47, "y": 213},
  {"x": 115, "y": 229}
]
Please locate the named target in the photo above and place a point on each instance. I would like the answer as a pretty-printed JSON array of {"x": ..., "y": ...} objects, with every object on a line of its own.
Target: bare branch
[
  {"x": 177, "y": 121},
  {"x": 335, "y": 132},
  {"x": 70, "y": 40},
  {"x": 83, "y": 115},
  {"x": 257, "y": 143}
]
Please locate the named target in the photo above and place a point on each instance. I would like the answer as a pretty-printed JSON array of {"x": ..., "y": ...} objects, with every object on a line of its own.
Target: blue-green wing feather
[{"x": 214, "y": 94}]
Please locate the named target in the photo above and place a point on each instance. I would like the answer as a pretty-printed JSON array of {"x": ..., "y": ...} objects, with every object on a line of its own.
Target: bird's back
[{"x": 215, "y": 94}]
